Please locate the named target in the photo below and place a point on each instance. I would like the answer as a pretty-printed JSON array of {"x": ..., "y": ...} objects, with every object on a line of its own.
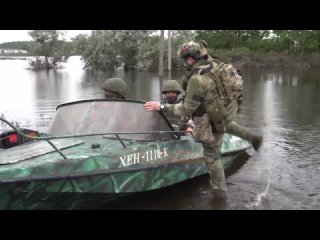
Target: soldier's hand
[
  {"x": 189, "y": 131},
  {"x": 152, "y": 106}
]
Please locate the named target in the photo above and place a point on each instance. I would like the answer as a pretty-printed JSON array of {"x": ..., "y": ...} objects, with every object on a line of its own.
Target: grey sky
[{"x": 22, "y": 35}]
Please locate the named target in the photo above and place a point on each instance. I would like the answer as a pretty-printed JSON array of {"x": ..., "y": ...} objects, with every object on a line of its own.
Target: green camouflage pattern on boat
[{"x": 35, "y": 176}]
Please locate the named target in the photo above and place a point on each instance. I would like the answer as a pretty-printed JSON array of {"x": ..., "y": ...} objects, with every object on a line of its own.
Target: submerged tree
[
  {"x": 136, "y": 49},
  {"x": 107, "y": 49},
  {"x": 49, "y": 46},
  {"x": 97, "y": 50}
]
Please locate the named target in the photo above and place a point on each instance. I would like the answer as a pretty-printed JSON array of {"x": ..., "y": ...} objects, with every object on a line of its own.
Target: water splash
[{"x": 260, "y": 196}]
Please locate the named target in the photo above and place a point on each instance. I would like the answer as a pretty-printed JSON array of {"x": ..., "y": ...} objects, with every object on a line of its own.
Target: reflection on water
[
  {"x": 283, "y": 105},
  {"x": 31, "y": 97}
]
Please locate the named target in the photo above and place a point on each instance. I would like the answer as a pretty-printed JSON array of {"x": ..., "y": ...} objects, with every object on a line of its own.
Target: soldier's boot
[
  {"x": 256, "y": 142},
  {"x": 220, "y": 195},
  {"x": 244, "y": 133}
]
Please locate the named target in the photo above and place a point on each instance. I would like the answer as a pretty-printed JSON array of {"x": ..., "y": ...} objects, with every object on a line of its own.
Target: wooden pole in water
[
  {"x": 161, "y": 54},
  {"x": 169, "y": 54}
]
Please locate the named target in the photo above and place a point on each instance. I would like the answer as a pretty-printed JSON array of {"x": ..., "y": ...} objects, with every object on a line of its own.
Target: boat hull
[
  {"x": 93, "y": 190},
  {"x": 91, "y": 151}
]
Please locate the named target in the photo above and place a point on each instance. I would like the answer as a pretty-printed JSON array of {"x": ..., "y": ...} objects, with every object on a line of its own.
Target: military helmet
[
  {"x": 193, "y": 49},
  {"x": 171, "y": 86},
  {"x": 116, "y": 85}
]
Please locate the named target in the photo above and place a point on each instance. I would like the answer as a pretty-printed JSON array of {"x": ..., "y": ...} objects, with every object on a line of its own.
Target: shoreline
[
  {"x": 243, "y": 60},
  {"x": 14, "y": 57}
]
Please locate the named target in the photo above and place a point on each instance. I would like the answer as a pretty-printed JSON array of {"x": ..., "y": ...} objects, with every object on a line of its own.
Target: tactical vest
[{"x": 218, "y": 103}]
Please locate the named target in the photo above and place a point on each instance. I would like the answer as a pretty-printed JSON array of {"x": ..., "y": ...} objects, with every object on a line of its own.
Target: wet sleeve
[{"x": 194, "y": 95}]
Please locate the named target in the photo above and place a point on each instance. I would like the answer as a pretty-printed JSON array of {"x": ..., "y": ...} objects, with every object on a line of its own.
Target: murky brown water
[{"x": 283, "y": 105}]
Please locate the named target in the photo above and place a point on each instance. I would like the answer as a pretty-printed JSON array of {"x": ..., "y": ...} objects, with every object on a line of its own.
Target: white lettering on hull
[{"x": 151, "y": 155}]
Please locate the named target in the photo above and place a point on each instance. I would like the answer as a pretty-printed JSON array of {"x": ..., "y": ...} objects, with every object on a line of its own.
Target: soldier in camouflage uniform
[
  {"x": 115, "y": 88},
  {"x": 213, "y": 108},
  {"x": 172, "y": 90}
]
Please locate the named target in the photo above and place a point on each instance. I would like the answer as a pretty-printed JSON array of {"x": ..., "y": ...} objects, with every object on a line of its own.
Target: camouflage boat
[{"x": 98, "y": 150}]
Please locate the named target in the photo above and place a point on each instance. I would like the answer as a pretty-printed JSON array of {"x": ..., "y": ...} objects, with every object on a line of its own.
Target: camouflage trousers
[
  {"x": 239, "y": 131},
  {"x": 211, "y": 142}
]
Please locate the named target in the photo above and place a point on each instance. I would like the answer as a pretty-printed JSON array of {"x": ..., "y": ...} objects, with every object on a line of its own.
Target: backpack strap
[{"x": 213, "y": 74}]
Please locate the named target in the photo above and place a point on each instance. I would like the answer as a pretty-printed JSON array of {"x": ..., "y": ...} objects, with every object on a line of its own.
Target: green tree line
[
  {"x": 139, "y": 49},
  {"x": 24, "y": 45},
  {"x": 67, "y": 48},
  {"x": 285, "y": 41}
]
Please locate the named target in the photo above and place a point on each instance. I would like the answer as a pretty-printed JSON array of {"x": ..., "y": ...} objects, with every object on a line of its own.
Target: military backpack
[{"x": 229, "y": 82}]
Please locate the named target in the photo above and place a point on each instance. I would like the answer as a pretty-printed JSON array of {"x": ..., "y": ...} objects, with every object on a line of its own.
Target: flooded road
[{"x": 283, "y": 105}]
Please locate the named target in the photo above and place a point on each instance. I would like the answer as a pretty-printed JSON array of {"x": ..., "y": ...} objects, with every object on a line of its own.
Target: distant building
[{"x": 12, "y": 51}]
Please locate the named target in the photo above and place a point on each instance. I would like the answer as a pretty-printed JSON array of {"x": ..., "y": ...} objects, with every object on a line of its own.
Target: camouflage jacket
[
  {"x": 204, "y": 95},
  {"x": 179, "y": 123}
]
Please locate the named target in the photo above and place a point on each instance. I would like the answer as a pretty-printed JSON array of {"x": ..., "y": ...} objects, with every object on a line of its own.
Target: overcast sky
[{"x": 22, "y": 35}]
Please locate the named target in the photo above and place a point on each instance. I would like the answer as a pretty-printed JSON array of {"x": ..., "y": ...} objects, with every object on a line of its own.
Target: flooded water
[{"x": 283, "y": 105}]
